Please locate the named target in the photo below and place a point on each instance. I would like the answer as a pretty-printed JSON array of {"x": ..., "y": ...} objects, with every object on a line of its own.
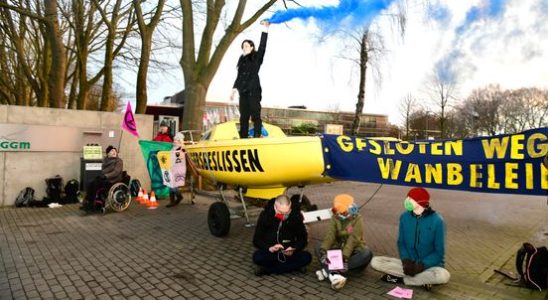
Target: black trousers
[
  {"x": 276, "y": 263},
  {"x": 250, "y": 106}
]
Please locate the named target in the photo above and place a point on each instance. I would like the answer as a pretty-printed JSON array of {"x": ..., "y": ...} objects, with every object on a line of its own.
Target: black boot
[
  {"x": 171, "y": 200},
  {"x": 178, "y": 199}
]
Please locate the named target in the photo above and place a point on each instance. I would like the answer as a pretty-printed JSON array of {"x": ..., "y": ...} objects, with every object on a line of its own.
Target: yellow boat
[
  {"x": 265, "y": 166},
  {"x": 261, "y": 168}
]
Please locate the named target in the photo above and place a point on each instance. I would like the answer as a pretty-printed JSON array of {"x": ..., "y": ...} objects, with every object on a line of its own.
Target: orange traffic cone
[
  {"x": 152, "y": 204},
  {"x": 140, "y": 196},
  {"x": 145, "y": 200}
]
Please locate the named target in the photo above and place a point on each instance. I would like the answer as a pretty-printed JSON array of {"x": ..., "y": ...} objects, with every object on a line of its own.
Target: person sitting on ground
[
  {"x": 163, "y": 133},
  {"x": 421, "y": 245},
  {"x": 280, "y": 238},
  {"x": 111, "y": 172},
  {"x": 345, "y": 232}
]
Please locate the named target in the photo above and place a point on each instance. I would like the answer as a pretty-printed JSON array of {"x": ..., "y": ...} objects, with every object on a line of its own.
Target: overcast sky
[{"x": 481, "y": 41}]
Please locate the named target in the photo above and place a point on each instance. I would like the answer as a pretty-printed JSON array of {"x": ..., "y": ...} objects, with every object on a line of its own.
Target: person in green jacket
[
  {"x": 345, "y": 232},
  {"x": 421, "y": 245}
]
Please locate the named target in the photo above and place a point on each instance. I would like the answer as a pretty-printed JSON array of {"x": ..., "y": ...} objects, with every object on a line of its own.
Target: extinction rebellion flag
[
  {"x": 498, "y": 164},
  {"x": 128, "y": 123}
]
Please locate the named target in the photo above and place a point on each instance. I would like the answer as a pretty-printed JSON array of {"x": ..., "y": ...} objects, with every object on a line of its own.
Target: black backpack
[
  {"x": 532, "y": 266},
  {"x": 25, "y": 197},
  {"x": 54, "y": 187},
  {"x": 72, "y": 190},
  {"x": 134, "y": 187}
]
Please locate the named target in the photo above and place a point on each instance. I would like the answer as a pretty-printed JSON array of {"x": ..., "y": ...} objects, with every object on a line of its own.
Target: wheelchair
[{"x": 115, "y": 196}]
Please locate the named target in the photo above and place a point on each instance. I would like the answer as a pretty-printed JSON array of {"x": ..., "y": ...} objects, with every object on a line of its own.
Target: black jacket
[
  {"x": 112, "y": 168},
  {"x": 291, "y": 233},
  {"x": 248, "y": 69}
]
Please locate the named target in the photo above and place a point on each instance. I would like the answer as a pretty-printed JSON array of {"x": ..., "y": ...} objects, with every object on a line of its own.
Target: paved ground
[{"x": 169, "y": 253}]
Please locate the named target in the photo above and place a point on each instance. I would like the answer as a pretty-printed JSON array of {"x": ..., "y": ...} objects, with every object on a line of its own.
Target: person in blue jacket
[{"x": 421, "y": 245}]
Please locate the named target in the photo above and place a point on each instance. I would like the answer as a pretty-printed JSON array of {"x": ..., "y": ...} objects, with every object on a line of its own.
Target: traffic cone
[
  {"x": 152, "y": 204},
  {"x": 140, "y": 196},
  {"x": 145, "y": 200}
]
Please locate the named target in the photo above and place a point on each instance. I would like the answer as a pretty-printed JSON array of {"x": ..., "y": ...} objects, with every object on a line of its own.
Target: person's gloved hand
[
  {"x": 345, "y": 265},
  {"x": 407, "y": 266},
  {"x": 323, "y": 257},
  {"x": 415, "y": 268},
  {"x": 419, "y": 267}
]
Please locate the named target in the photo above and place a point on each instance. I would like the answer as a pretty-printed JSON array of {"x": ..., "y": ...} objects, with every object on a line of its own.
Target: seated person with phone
[
  {"x": 280, "y": 238},
  {"x": 343, "y": 247}
]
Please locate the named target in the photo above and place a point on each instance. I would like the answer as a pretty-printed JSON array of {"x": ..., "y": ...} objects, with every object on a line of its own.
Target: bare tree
[
  {"x": 200, "y": 64},
  {"x": 112, "y": 16},
  {"x": 145, "y": 32},
  {"x": 407, "y": 107},
  {"x": 369, "y": 43},
  {"x": 443, "y": 89}
]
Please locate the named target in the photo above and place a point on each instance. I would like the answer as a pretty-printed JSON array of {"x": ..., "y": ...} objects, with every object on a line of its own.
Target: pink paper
[
  {"x": 335, "y": 259},
  {"x": 399, "y": 292}
]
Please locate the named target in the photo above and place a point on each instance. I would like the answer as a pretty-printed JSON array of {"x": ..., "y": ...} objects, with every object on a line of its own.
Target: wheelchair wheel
[{"x": 119, "y": 197}]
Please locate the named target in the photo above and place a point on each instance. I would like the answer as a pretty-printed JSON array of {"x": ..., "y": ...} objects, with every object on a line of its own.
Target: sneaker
[
  {"x": 337, "y": 281},
  {"x": 321, "y": 274},
  {"x": 260, "y": 270},
  {"x": 391, "y": 279},
  {"x": 302, "y": 270}
]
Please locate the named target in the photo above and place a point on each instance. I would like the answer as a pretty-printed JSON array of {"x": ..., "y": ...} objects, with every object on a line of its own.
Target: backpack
[
  {"x": 54, "y": 186},
  {"x": 25, "y": 197},
  {"x": 134, "y": 187},
  {"x": 72, "y": 190},
  {"x": 534, "y": 274}
]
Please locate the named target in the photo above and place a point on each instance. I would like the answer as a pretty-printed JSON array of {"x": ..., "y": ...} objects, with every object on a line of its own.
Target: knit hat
[
  {"x": 342, "y": 202},
  {"x": 420, "y": 195},
  {"x": 110, "y": 147}
]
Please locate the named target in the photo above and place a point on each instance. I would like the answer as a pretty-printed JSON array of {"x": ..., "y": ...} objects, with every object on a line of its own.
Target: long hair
[{"x": 250, "y": 55}]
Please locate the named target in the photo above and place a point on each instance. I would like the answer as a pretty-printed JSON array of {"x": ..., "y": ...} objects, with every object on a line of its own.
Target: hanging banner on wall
[{"x": 498, "y": 164}]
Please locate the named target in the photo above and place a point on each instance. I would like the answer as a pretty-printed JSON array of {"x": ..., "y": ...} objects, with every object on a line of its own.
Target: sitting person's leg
[
  {"x": 433, "y": 275},
  {"x": 388, "y": 265},
  {"x": 359, "y": 259},
  {"x": 277, "y": 263},
  {"x": 91, "y": 192},
  {"x": 295, "y": 262}
]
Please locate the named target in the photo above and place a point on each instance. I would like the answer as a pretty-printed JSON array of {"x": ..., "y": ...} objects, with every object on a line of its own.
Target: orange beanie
[{"x": 342, "y": 202}]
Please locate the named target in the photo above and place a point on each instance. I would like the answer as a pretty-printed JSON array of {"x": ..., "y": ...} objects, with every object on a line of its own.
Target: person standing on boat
[{"x": 248, "y": 85}]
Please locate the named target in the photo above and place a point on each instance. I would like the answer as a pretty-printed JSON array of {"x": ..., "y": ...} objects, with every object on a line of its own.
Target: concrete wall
[{"x": 27, "y": 168}]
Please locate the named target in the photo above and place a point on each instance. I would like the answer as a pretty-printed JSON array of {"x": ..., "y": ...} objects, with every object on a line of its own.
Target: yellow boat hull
[{"x": 266, "y": 166}]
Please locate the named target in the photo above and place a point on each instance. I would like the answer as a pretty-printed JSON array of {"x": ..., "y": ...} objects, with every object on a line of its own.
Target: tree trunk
[
  {"x": 361, "y": 94},
  {"x": 107, "y": 79},
  {"x": 141, "y": 93},
  {"x": 56, "y": 78},
  {"x": 195, "y": 98}
]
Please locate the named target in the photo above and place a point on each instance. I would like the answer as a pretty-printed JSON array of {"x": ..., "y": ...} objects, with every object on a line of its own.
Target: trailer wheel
[{"x": 218, "y": 219}]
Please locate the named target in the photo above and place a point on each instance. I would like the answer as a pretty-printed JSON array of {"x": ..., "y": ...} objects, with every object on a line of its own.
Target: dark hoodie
[{"x": 292, "y": 232}]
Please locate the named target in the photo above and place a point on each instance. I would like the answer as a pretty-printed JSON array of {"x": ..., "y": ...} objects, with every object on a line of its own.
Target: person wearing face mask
[
  {"x": 345, "y": 232},
  {"x": 421, "y": 245},
  {"x": 248, "y": 85},
  {"x": 280, "y": 238}
]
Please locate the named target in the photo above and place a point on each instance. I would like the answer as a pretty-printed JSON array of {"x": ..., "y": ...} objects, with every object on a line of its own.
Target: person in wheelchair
[{"x": 111, "y": 173}]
